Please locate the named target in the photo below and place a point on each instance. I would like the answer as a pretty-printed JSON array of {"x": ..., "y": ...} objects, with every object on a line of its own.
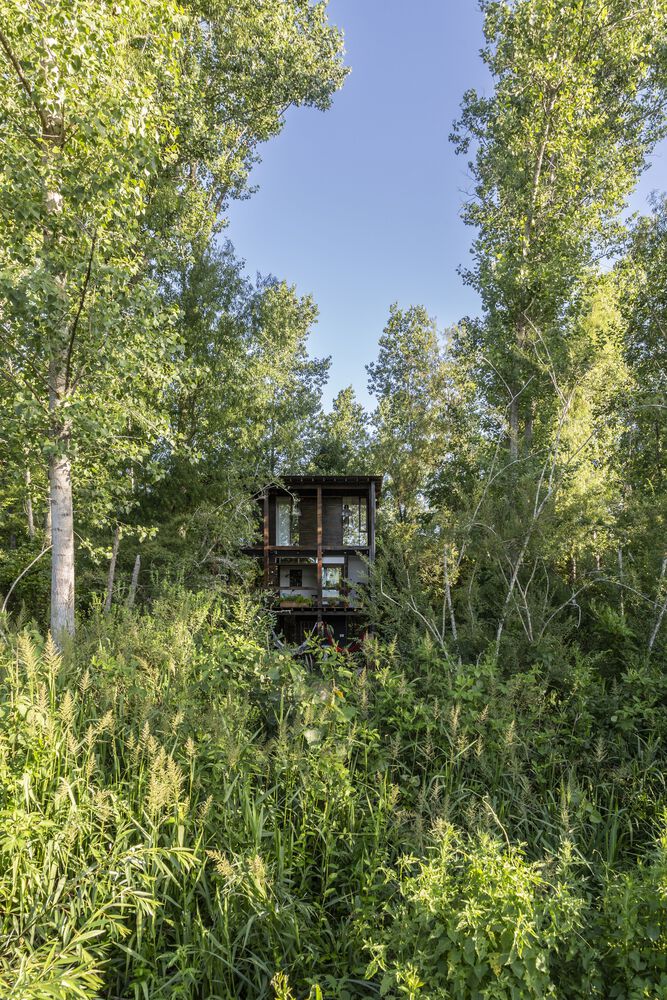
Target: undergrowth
[{"x": 189, "y": 814}]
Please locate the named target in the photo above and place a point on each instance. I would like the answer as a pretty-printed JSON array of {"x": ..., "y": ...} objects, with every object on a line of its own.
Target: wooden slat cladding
[
  {"x": 333, "y": 522},
  {"x": 272, "y": 519},
  {"x": 308, "y": 522},
  {"x": 332, "y": 516}
]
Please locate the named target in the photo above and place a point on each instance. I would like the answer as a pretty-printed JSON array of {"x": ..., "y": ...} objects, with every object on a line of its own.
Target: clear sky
[{"x": 359, "y": 206}]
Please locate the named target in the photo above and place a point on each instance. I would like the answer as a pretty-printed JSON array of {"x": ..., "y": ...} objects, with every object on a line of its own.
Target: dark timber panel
[
  {"x": 319, "y": 552},
  {"x": 320, "y": 533},
  {"x": 371, "y": 523},
  {"x": 272, "y": 519},
  {"x": 308, "y": 522},
  {"x": 333, "y": 522}
]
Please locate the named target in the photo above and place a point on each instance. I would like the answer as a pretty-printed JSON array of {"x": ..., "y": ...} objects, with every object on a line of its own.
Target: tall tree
[
  {"x": 128, "y": 125},
  {"x": 249, "y": 393},
  {"x": 288, "y": 380},
  {"x": 578, "y": 102},
  {"x": 641, "y": 449},
  {"x": 644, "y": 303},
  {"x": 244, "y": 409},
  {"x": 343, "y": 440},
  {"x": 410, "y": 382}
]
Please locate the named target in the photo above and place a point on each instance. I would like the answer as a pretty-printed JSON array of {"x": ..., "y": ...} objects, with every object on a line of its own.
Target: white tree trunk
[
  {"x": 514, "y": 428},
  {"x": 60, "y": 466},
  {"x": 47, "y": 523},
  {"x": 135, "y": 582},
  {"x": 62, "y": 556},
  {"x": 112, "y": 569},
  {"x": 28, "y": 505},
  {"x": 663, "y": 609}
]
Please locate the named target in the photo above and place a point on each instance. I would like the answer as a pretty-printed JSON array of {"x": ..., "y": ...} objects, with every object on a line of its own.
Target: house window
[
  {"x": 331, "y": 577},
  {"x": 296, "y": 578},
  {"x": 287, "y": 520},
  {"x": 355, "y": 523}
]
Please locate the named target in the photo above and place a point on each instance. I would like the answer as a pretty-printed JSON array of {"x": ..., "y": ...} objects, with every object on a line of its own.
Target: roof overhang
[{"x": 334, "y": 481}]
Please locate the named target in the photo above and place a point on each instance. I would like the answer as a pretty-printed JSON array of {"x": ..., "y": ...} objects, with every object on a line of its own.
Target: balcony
[{"x": 308, "y": 599}]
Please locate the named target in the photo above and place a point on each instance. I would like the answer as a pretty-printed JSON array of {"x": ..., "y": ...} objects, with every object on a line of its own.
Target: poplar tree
[
  {"x": 127, "y": 126},
  {"x": 343, "y": 441},
  {"x": 410, "y": 383},
  {"x": 577, "y": 104}
]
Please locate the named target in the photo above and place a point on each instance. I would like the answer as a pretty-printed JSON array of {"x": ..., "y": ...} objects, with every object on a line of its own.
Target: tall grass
[{"x": 188, "y": 814}]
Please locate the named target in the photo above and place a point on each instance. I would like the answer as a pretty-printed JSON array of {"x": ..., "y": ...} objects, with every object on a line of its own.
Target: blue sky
[{"x": 359, "y": 206}]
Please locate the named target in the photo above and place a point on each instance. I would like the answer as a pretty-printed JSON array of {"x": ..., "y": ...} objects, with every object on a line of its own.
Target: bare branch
[
  {"x": 41, "y": 114},
  {"x": 663, "y": 609},
  {"x": 21, "y": 575}
]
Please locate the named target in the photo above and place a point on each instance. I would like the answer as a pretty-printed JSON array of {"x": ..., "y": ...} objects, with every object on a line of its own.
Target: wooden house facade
[{"x": 318, "y": 539}]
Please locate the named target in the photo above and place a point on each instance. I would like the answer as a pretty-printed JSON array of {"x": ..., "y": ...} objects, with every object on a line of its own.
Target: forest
[{"x": 473, "y": 804}]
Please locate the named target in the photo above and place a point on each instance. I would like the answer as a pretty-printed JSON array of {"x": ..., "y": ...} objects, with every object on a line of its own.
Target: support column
[
  {"x": 371, "y": 523},
  {"x": 319, "y": 553}
]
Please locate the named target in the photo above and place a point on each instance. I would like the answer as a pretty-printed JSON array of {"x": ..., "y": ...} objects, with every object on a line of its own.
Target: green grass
[{"x": 187, "y": 814}]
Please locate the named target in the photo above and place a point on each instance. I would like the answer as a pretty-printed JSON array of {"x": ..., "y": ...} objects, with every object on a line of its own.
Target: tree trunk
[
  {"x": 62, "y": 556},
  {"x": 135, "y": 582},
  {"x": 60, "y": 466},
  {"x": 28, "y": 506},
  {"x": 621, "y": 581},
  {"x": 528, "y": 429},
  {"x": 112, "y": 569},
  {"x": 47, "y": 523},
  {"x": 514, "y": 426},
  {"x": 521, "y": 330},
  {"x": 663, "y": 609},
  {"x": 61, "y": 503}
]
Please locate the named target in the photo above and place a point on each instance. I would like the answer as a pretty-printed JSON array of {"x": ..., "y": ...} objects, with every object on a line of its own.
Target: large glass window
[
  {"x": 355, "y": 521},
  {"x": 287, "y": 520}
]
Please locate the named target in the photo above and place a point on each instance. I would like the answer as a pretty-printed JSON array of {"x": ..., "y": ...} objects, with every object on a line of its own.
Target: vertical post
[
  {"x": 266, "y": 538},
  {"x": 112, "y": 569},
  {"x": 28, "y": 505},
  {"x": 371, "y": 522},
  {"x": 135, "y": 582},
  {"x": 319, "y": 553}
]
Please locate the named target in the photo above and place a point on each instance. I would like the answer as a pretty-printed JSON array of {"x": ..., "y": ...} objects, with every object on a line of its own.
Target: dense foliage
[
  {"x": 187, "y": 813},
  {"x": 471, "y": 807}
]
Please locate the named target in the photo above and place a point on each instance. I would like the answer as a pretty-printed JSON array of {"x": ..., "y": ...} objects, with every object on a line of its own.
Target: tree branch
[
  {"x": 41, "y": 114},
  {"x": 75, "y": 324},
  {"x": 21, "y": 575}
]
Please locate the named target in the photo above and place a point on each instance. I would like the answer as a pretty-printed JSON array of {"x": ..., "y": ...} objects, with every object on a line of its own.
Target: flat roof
[{"x": 334, "y": 481}]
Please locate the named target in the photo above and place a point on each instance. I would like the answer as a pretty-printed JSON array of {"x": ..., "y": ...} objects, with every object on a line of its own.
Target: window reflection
[
  {"x": 331, "y": 577},
  {"x": 287, "y": 520},
  {"x": 355, "y": 524}
]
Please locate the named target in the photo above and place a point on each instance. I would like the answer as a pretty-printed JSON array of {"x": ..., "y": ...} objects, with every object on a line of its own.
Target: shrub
[
  {"x": 187, "y": 813},
  {"x": 476, "y": 920},
  {"x": 633, "y": 930}
]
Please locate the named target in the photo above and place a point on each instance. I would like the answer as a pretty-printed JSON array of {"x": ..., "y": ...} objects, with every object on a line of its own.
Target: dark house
[{"x": 318, "y": 538}]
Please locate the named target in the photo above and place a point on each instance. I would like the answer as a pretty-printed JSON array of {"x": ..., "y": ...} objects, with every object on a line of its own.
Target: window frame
[
  {"x": 293, "y": 507},
  {"x": 357, "y": 505}
]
